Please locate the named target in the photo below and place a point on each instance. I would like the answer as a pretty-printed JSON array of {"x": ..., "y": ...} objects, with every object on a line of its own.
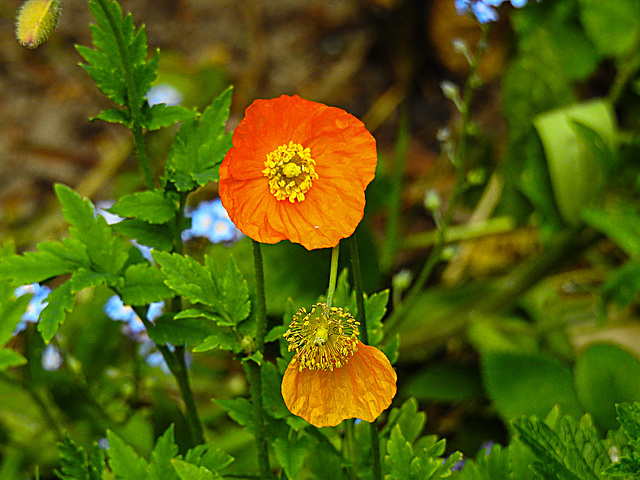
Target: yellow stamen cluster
[
  {"x": 290, "y": 170},
  {"x": 324, "y": 338}
]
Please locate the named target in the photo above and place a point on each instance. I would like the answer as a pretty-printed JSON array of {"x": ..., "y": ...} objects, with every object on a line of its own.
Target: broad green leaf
[
  {"x": 291, "y": 453},
  {"x": 200, "y": 147},
  {"x": 164, "y": 451},
  {"x": 187, "y": 277},
  {"x": 158, "y": 237},
  {"x": 10, "y": 358},
  {"x": 528, "y": 384},
  {"x": 240, "y": 410},
  {"x": 272, "y": 400},
  {"x": 11, "y": 311},
  {"x": 114, "y": 115},
  {"x": 613, "y": 26},
  {"x": 576, "y": 174},
  {"x": 192, "y": 331},
  {"x": 124, "y": 461},
  {"x": 107, "y": 252},
  {"x": 188, "y": 471},
  {"x": 151, "y": 206},
  {"x": 34, "y": 267},
  {"x": 161, "y": 115},
  {"x": 619, "y": 222},
  {"x": 223, "y": 339},
  {"x": 84, "y": 278},
  {"x": 59, "y": 302},
  {"x": 144, "y": 284},
  {"x": 605, "y": 376},
  {"x": 235, "y": 294}
]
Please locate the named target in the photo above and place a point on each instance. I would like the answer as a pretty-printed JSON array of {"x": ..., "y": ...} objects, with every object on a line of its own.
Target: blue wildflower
[
  {"x": 35, "y": 306},
  {"x": 51, "y": 358},
  {"x": 484, "y": 10},
  {"x": 164, "y": 93},
  {"x": 212, "y": 221}
]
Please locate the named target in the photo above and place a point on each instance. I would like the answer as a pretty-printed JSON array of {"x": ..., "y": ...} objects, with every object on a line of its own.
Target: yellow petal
[{"x": 362, "y": 389}]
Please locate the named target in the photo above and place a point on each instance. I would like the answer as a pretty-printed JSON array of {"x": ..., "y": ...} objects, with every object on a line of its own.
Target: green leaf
[
  {"x": 240, "y": 410},
  {"x": 528, "y": 384},
  {"x": 187, "y": 471},
  {"x": 272, "y": 400},
  {"x": 59, "y": 302},
  {"x": 576, "y": 174},
  {"x": 161, "y": 115},
  {"x": 11, "y": 311},
  {"x": 144, "y": 284},
  {"x": 208, "y": 456},
  {"x": 158, "y": 237},
  {"x": 200, "y": 147},
  {"x": 573, "y": 452},
  {"x": 223, "y": 338},
  {"x": 106, "y": 251},
  {"x": 118, "y": 63},
  {"x": 235, "y": 294},
  {"x": 10, "y": 358},
  {"x": 76, "y": 464},
  {"x": 151, "y": 206},
  {"x": 613, "y": 26},
  {"x": 623, "y": 285},
  {"x": 606, "y": 375},
  {"x": 35, "y": 267},
  {"x": 192, "y": 331},
  {"x": 399, "y": 457},
  {"x": 408, "y": 418},
  {"x": 291, "y": 454},
  {"x": 165, "y": 450},
  {"x": 493, "y": 466},
  {"x": 114, "y": 115},
  {"x": 124, "y": 461},
  {"x": 84, "y": 278},
  {"x": 620, "y": 222},
  {"x": 187, "y": 277}
]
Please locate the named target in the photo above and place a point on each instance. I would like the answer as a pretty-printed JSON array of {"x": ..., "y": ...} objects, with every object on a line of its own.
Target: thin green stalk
[
  {"x": 364, "y": 335},
  {"x": 253, "y": 369},
  {"x": 333, "y": 274},
  {"x": 350, "y": 446},
  {"x": 395, "y": 202},
  {"x": 393, "y": 323},
  {"x": 178, "y": 368},
  {"x": 136, "y": 114}
]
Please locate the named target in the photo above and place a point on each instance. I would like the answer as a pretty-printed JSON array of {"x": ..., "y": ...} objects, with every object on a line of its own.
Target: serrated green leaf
[
  {"x": 235, "y": 294},
  {"x": 163, "y": 452},
  {"x": 272, "y": 400},
  {"x": 629, "y": 419},
  {"x": 291, "y": 454},
  {"x": 106, "y": 251},
  {"x": 11, "y": 311},
  {"x": 240, "y": 410},
  {"x": 144, "y": 284},
  {"x": 151, "y": 206},
  {"x": 192, "y": 331},
  {"x": 208, "y": 456},
  {"x": 76, "y": 463},
  {"x": 114, "y": 115},
  {"x": 399, "y": 457},
  {"x": 59, "y": 302},
  {"x": 495, "y": 465},
  {"x": 158, "y": 237},
  {"x": 200, "y": 147},
  {"x": 223, "y": 339},
  {"x": 124, "y": 461},
  {"x": 408, "y": 418},
  {"x": 187, "y": 471},
  {"x": 161, "y": 115},
  {"x": 187, "y": 277},
  {"x": 34, "y": 267},
  {"x": 84, "y": 278},
  {"x": 10, "y": 358}
]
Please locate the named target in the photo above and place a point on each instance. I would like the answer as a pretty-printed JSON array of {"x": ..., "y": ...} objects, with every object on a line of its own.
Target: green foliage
[
  {"x": 151, "y": 206},
  {"x": 629, "y": 464},
  {"x": 77, "y": 464},
  {"x": 200, "y": 147}
]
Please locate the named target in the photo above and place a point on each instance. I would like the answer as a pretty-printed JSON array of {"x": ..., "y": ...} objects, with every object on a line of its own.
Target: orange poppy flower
[
  {"x": 333, "y": 376},
  {"x": 297, "y": 170}
]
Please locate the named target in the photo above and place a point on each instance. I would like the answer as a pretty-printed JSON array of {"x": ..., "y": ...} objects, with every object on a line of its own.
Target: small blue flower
[
  {"x": 51, "y": 358},
  {"x": 212, "y": 221},
  {"x": 484, "y": 10},
  {"x": 35, "y": 306},
  {"x": 164, "y": 93}
]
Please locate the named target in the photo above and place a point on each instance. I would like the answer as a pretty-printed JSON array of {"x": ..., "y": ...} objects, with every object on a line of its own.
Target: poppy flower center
[
  {"x": 324, "y": 338},
  {"x": 290, "y": 170}
]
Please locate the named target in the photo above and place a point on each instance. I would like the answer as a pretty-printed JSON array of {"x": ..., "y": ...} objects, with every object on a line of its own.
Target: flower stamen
[
  {"x": 290, "y": 170},
  {"x": 324, "y": 338}
]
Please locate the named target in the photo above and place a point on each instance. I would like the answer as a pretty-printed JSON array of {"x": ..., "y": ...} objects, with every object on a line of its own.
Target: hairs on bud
[{"x": 36, "y": 20}]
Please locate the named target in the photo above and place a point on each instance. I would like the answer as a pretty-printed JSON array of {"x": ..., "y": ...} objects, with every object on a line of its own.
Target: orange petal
[{"x": 362, "y": 389}]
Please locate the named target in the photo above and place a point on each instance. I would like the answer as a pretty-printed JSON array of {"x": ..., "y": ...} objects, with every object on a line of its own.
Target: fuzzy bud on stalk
[{"x": 36, "y": 21}]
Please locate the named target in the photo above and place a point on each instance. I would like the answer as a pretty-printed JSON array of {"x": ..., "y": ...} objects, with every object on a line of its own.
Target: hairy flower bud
[{"x": 36, "y": 20}]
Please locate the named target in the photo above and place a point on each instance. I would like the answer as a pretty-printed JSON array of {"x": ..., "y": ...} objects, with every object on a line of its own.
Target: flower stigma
[
  {"x": 324, "y": 338},
  {"x": 290, "y": 170}
]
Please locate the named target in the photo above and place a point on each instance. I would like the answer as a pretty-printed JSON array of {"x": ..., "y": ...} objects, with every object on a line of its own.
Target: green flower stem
[
  {"x": 333, "y": 275},
  {"x": 393, "y": 323},
  {"x": 253, "y": 369},
  {"x": 364, "y": 335},
  {"x": 136, "y": 114},
  {"x": 350, "y": 447},
  {"x": 178, "y": 368}
]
